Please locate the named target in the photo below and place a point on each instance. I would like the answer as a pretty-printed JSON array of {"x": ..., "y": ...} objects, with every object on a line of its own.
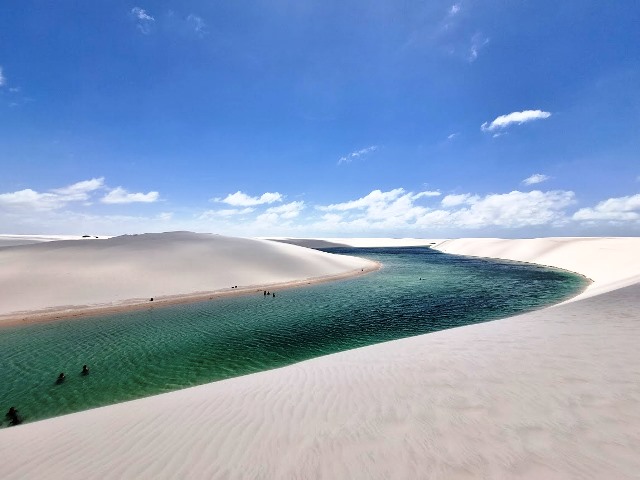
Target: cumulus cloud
[
  {"x": 459, "y": 199},
  {"x": 509, "y": 210},
  {"x": 620, "y": 209},
  {"x": 120, "y": 195},
  {"x": 144, "y": 21},
  {"x": 535, "y": 178},
  {"x": 359, "y": 153},
  {"x": 503, "y": 121},
  {"x": 282, "y": 214},
  {"x": 392, "y": 209},
  {"x": 397, "y": 209},
  {"x": 31, "y": 200},
  {"x": 240, "y": 199},
  {"x": 288, "y": 210}
]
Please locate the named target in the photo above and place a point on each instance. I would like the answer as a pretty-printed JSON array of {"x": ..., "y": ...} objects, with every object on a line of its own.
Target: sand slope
[
  {"x": 69, "y": 274},
  {"x": 552, "y": 394},
  {"x": 610, "y": 262}
]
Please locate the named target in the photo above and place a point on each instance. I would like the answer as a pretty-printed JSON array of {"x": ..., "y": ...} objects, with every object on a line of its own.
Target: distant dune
[{"x": 358, "y": 242}]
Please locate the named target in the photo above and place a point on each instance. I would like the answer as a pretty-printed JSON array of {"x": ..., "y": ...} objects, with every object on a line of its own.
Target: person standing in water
[
  {"x": 13, "y": 417},
  {"x": 85, "y": 370}
]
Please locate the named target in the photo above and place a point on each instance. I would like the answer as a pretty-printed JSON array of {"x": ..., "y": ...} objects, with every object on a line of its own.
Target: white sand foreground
[
  {"x": 58, "y": 278},
  {"x": 551, "y": 394}
]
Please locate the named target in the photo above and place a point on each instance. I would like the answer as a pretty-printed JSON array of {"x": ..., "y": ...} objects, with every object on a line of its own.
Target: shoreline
[{"x": 64, "y": 313}]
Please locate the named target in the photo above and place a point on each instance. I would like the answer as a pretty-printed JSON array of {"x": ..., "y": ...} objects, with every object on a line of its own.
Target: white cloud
[
  {"x": 396, "y": 209},
  {"x": 519, "y": 118},
  {"x": 378, "y": 209},
  {"x": 428, "y": 193},
  {"x": 141, "y": 14},
  {"x": 536, "y": 178},
  {"x": 376, "y": 197},
  {"x": 451, "y": 136},
  {"x": 225, "y": 213},
  {"x": 280, "y": 215},
  {"x": 459, "y": 199},
  {"x": 30, "y": 200},
  {"x": 3, "y": 80},
  {"x": 80, "y": 190},
  {"x": 478, "y": 42},
  {"x": 240, "y": 199},
  {"x": 613, "y": 209},
  {"x": 198, "y": 24},
  {"x": 509, "y": 210},
  {"x": 359, "y": 153},
  {"x": 288, "y": 210},
  {"x": 143, "y": 20},
  {"x": 454, "y": 10},
  {"x": 119, "y": 195}
]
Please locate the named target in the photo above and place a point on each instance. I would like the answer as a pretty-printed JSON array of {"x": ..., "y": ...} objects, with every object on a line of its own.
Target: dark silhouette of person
[
  {"x": 13, "y": 417},
  {"x": 265, "y": 293},
  {"x": 85, "y": 370},
  {"x": 61, "y": 378},
  {"x": 274, "y": 294}
]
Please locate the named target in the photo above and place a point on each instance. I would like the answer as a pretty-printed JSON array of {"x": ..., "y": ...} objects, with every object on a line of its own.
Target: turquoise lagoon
[{"x": 147, "y": 352}]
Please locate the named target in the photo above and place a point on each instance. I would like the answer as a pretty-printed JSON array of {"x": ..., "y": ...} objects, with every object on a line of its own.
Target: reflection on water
[{"x": 162, "y": 349}]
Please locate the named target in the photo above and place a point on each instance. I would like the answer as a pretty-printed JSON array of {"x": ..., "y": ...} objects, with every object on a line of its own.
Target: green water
[{"x": 157, "y": 350}]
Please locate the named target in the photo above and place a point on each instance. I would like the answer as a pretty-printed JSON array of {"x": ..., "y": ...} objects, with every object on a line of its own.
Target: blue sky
[{"x": 325, "y": 118}]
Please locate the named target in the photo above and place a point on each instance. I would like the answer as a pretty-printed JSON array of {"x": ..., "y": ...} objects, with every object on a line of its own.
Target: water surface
[{"x": 141, "y": 353}]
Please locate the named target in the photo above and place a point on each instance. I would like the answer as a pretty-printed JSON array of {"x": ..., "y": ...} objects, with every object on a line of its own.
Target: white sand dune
[
  {"x": 65, "y": 276},
  {"x": 551, "y": 394},
  {"x": 610, "y": 262}
]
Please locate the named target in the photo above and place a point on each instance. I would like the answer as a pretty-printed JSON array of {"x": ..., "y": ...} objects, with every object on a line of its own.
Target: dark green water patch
[{"x": 158, "y": 350}]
